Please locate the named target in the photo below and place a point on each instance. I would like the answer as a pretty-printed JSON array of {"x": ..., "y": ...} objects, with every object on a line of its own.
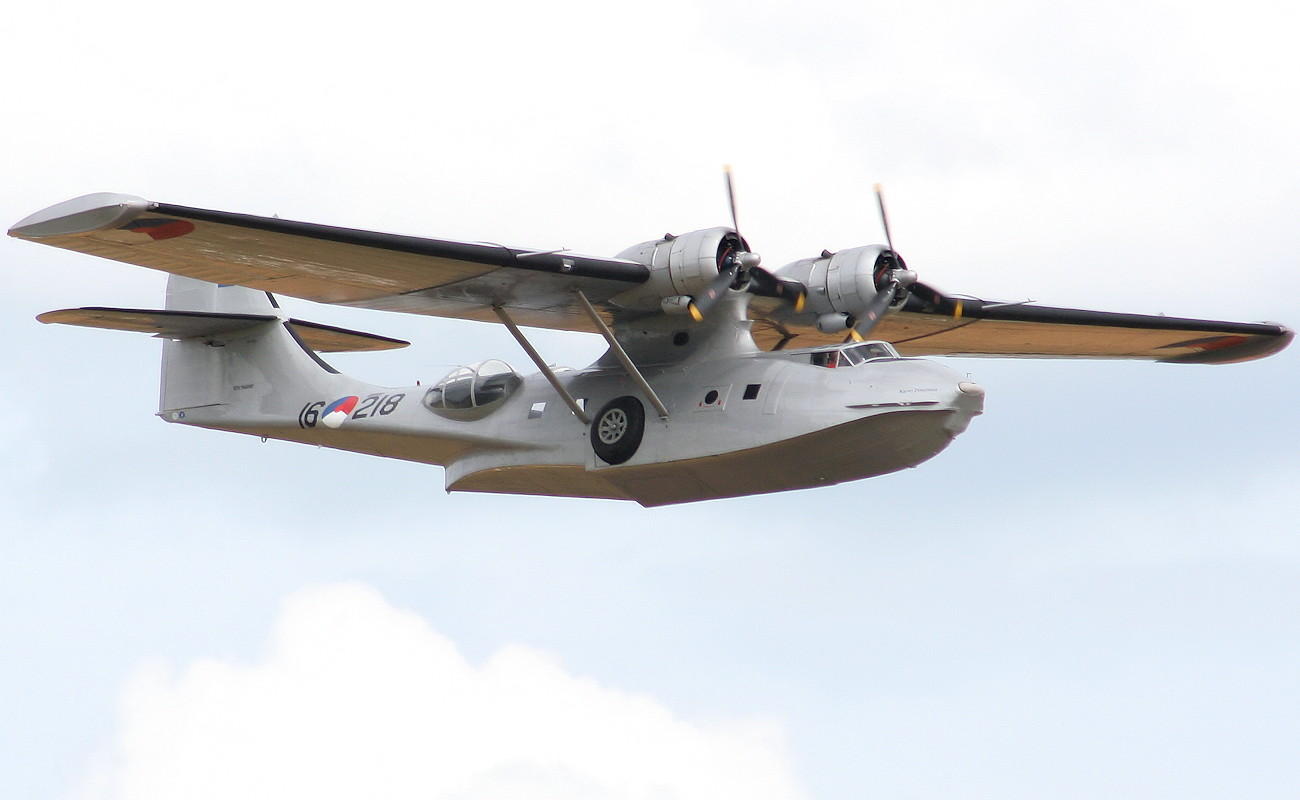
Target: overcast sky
[{"x": 1093, "y": 592}]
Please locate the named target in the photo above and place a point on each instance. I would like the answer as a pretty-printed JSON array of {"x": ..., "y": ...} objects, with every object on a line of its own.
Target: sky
[{"x": 1093, "y": 592}]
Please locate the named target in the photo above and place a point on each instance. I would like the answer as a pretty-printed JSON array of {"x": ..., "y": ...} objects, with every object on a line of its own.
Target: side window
[{"x": 473, "y": 392}]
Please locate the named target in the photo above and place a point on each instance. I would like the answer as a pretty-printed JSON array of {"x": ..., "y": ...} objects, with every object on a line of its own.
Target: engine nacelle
[
  {"x": 844, "y": 282},
  {"x": 680, "y": 266}
]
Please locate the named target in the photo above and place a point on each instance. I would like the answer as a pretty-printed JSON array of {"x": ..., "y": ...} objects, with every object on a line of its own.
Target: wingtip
[
  {"x": 85, "y": 214},
  {"x": 1253, "y": 348}
]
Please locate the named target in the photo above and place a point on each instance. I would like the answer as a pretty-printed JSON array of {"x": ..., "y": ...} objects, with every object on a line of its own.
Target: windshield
[{"x": 852, "y": 355}]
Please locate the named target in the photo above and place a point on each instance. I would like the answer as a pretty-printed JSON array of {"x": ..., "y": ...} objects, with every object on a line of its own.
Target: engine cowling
[
  {"x": 680, "y": 267},
  {"x": 844, "y": 282}
]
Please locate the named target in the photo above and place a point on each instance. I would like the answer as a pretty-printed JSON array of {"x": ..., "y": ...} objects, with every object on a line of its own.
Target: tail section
[
  {"x": 208, "y": 367},
  {"x": 232, "y": 359},
  {"x": 245, "y": 352}
]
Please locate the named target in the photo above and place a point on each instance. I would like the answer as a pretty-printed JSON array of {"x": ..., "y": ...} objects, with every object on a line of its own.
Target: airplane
[{"x": 721, "y": 378}]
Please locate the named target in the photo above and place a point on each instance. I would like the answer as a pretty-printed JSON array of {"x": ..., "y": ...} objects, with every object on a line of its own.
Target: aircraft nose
[{"x": 968, "y": 401}]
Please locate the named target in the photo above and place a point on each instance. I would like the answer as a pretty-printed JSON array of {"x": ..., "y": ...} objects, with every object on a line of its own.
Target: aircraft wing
[
  {"x": 466, "y": 280},
  {"x": 972, "y": 327},
  {"x": 341, "y": 266}
]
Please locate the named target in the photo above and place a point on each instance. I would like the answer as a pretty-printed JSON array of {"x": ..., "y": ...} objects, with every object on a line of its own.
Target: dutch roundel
[{"x": 333, "y": 414}]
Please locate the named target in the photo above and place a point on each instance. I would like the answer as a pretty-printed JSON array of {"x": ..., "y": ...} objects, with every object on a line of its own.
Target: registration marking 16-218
[{"x": 333, "y": 414}]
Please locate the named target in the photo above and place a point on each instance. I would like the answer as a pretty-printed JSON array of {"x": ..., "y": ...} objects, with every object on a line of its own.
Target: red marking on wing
[
  {"x": 1213, "y": 343},
  {"x": 159, "y": 229}
]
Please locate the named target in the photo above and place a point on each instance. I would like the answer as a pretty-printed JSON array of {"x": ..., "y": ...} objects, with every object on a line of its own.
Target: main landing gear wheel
[{"x": 616, "y": 432}]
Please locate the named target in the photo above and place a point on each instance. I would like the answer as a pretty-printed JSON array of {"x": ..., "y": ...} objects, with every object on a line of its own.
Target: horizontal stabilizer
[
  {"x": 198, "y": 324},
  {"x": 328, "y": 339}
]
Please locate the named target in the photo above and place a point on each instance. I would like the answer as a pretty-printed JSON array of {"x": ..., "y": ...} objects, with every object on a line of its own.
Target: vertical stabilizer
[{"x": 238, "y": 369}]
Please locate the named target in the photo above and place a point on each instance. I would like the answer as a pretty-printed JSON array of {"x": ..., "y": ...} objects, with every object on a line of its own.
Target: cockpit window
[
  {"x": 852, "y": 355},
  {"x": 474, "y": 391},
  {"x": 868, "y": 351}
]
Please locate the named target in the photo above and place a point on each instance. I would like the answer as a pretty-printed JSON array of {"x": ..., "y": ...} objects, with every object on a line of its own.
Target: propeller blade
[
  {"x": 884, "y": 218},
  {"x": 875, "y": 310},
  {"x": 702, "y": 303},
  {"x": 731, "y": 198},
  {"x": 934, "y": 300},
  {"x": 765, "y": 284}
]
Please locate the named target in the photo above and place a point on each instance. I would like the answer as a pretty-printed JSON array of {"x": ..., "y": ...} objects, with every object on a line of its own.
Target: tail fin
[{"x": 247, "y": 349}]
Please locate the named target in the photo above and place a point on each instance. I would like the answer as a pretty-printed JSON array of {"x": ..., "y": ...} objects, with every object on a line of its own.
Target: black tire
[{"x": 617, "y": 430}]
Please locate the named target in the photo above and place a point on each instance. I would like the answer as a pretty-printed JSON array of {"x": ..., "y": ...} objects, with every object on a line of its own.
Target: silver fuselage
[{"x": 737, "y": 424}]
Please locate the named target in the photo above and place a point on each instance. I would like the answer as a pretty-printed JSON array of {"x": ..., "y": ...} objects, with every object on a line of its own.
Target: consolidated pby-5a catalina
[{"x": 721, "y": 378}]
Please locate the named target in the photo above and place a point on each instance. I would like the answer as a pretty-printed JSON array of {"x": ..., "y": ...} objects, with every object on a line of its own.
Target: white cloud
[{"x": 359, "y": 699}]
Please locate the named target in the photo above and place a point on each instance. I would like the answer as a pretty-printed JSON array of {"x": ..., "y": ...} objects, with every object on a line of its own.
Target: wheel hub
[{"x": 612, "y": 425}]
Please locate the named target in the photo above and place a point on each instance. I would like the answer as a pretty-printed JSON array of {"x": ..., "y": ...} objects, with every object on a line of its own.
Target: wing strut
[
  {"x": 541, "y": 365},
  {"x": 621, "y": 354}
]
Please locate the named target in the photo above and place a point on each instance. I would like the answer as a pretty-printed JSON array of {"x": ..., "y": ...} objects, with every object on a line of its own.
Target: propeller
[
  {"x": 897, "y": 279},
  {"x": 732, "y": 265},
  {"x": 932, "y": 298},
  {"x": 739, "y": 268},
  {"x": 870, "y": 316},
  {"x": 892, "y": 277}
]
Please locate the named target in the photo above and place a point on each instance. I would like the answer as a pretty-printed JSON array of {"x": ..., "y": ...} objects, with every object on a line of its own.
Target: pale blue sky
[{"x": 1092, "y": 593}]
